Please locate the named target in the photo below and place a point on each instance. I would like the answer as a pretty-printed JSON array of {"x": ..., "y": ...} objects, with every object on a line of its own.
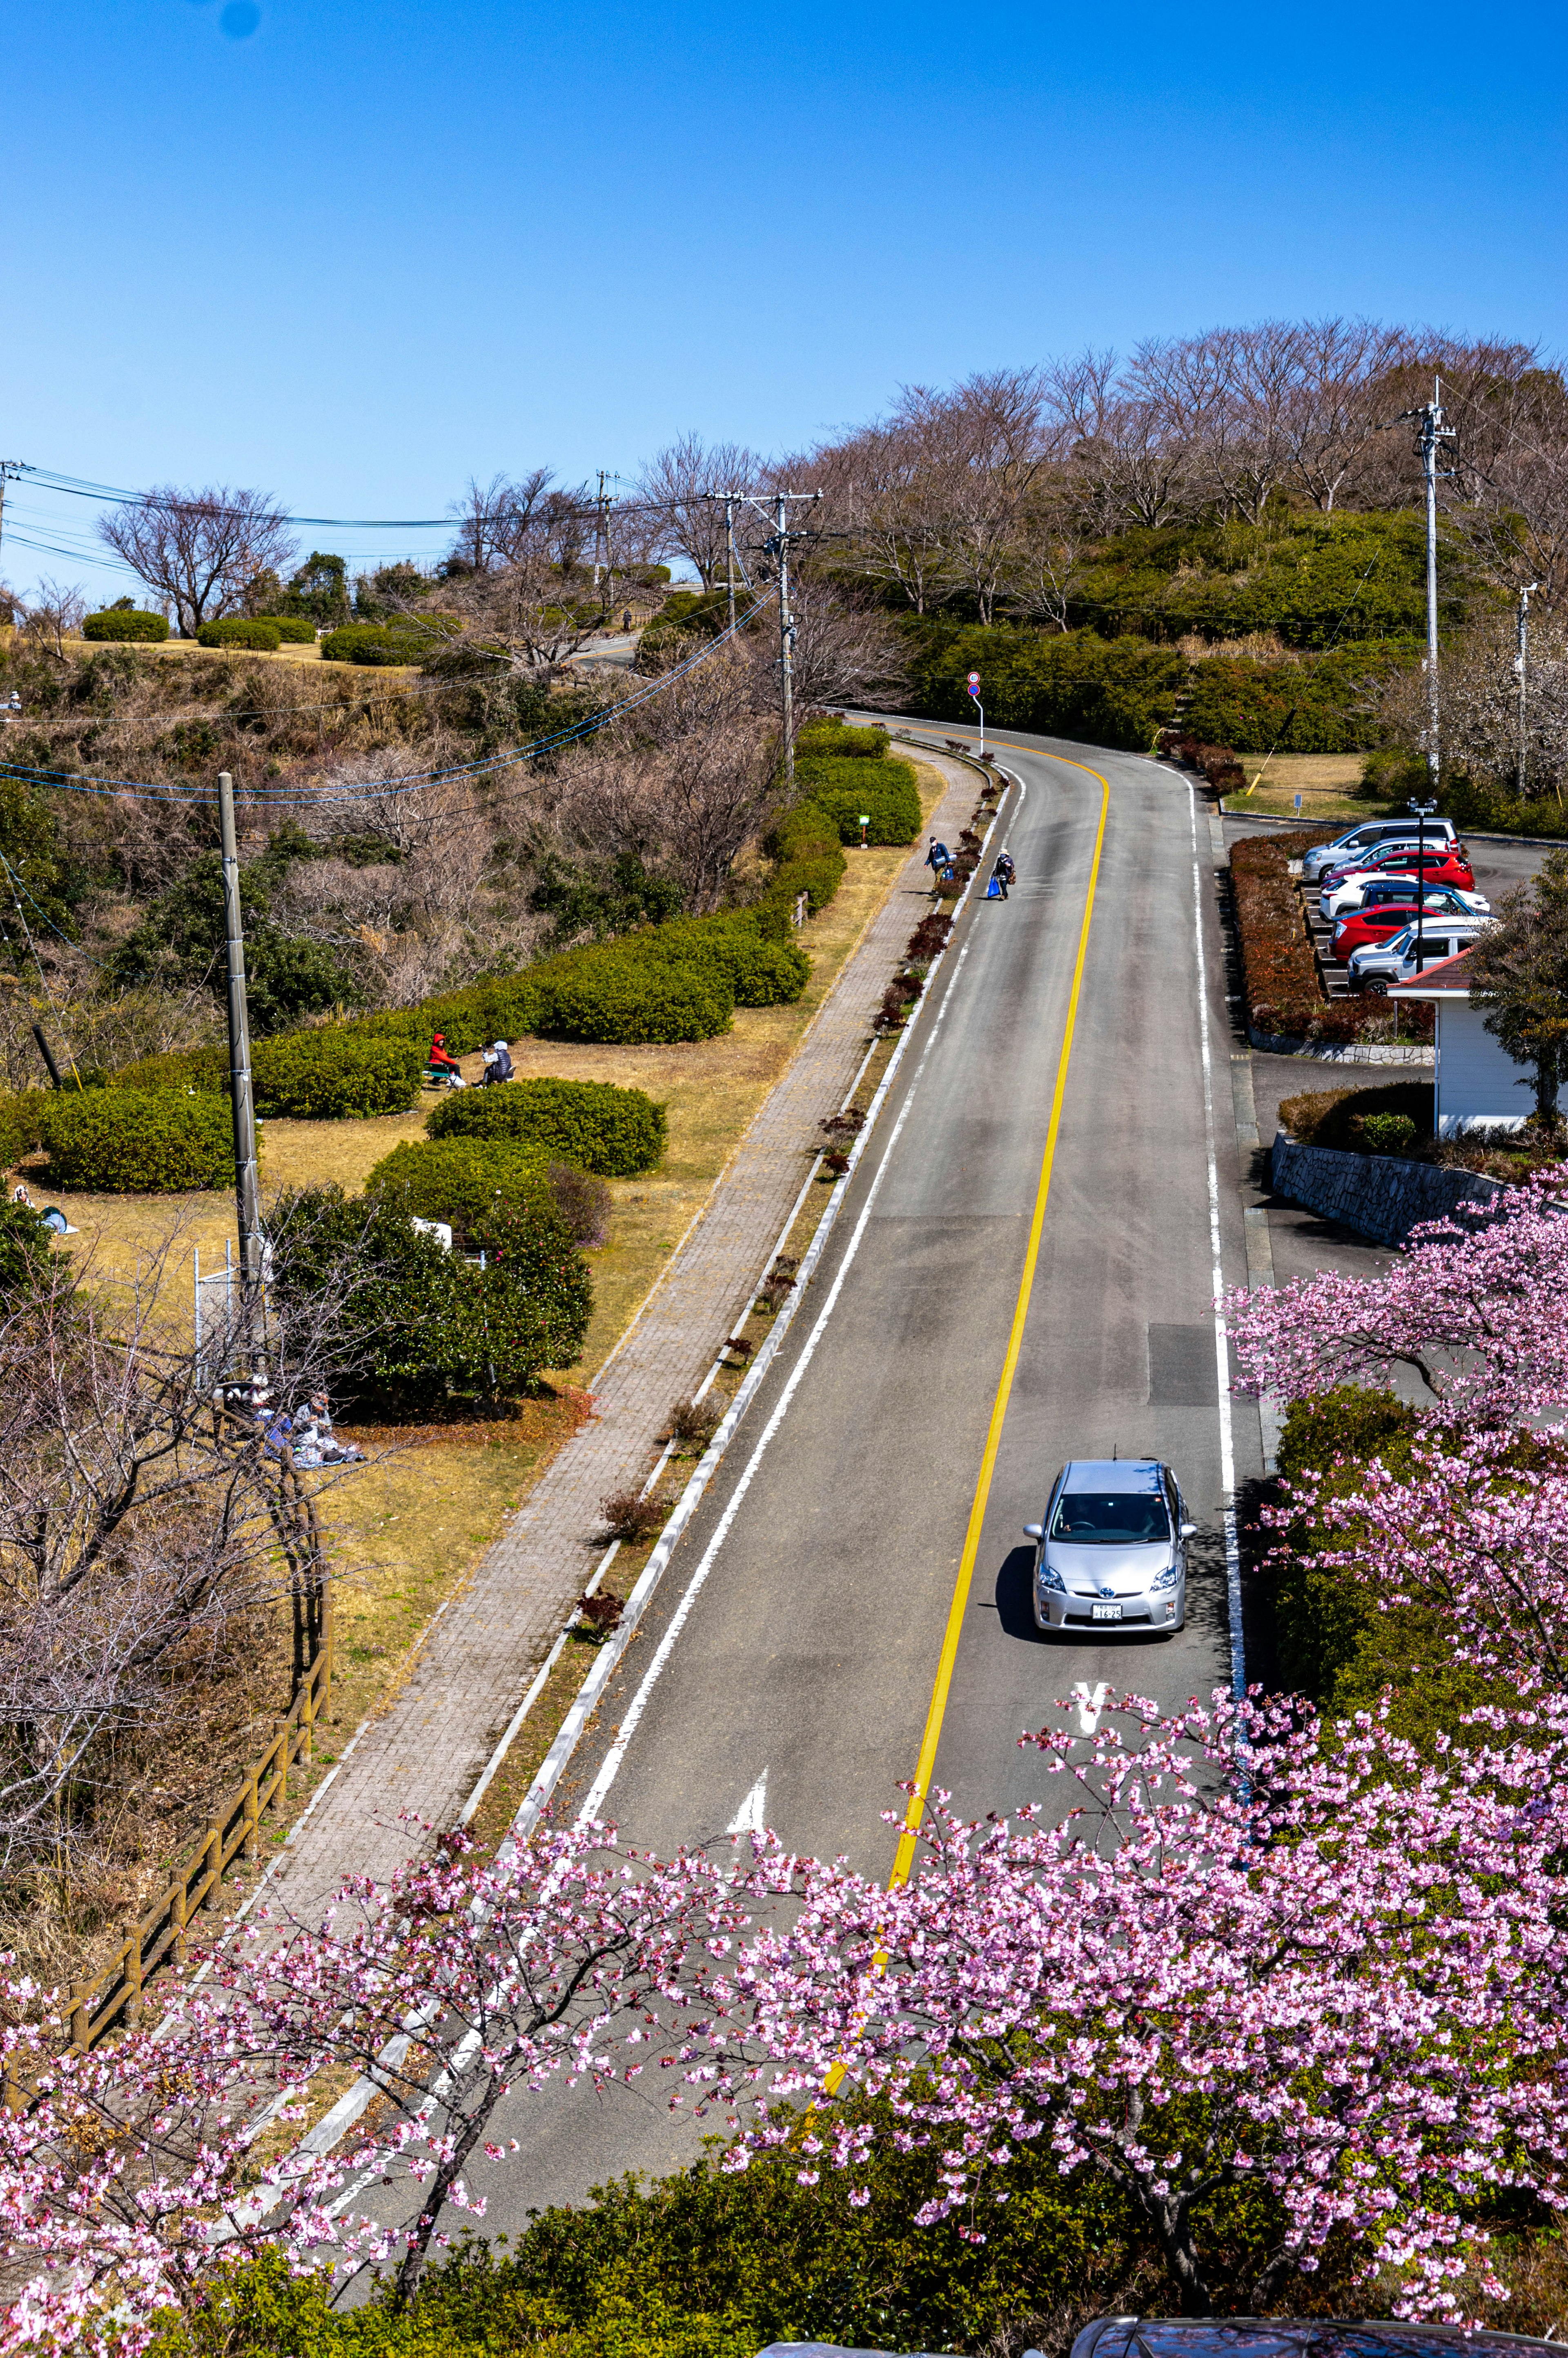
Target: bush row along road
[{"x": 799, "y": 1685}]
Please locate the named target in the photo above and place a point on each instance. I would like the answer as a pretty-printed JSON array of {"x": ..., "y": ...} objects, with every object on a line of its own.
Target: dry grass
[
  {"x": 407, "y": 1528},
  {"x": 1327, "y": 783},
  {"x": 395, "y": 673}
]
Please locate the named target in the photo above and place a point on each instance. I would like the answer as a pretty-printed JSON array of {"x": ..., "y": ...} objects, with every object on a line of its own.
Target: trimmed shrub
[
  {"x": 613, "y": 1132},
  {"x": 1063, "y": 684},
  {"x": 205, "y": 1070},
  {"x": 378, "y": 642},
  {"x": 760, "y": 972},
  {"x": 610, "y": 996},
  {"x": 294, "y": 630},
  {"x": 21, "y": 1125},
  {"x": 840, "y": 742},
  {"x": 886, "y": 792},
  {"x": 128, "y": 624},
  {"x": 329, "y": 1074},
  {"x": 130, "y": 1141},
  {"x": 241, "y": 631},
  {"x": 1340, "y": 1117},
  {"x": 804, "y": 844},
  {"x": 472, "y": 1182},
  {"x": 429, "y": 1324}
]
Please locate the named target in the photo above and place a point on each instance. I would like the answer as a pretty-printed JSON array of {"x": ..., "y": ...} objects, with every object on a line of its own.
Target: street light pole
[
  {"x": 1433, "y": 434},
  {"x": 1520, "y": 659},
  {"x": 242, "y": 1103},
  {"x": 1423, "y": 813}
]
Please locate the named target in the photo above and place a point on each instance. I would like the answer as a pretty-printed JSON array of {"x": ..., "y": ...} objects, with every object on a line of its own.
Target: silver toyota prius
[{"x": 1111, "y": 1552}]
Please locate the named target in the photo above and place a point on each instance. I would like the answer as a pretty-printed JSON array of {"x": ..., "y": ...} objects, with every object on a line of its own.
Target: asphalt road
[{"x": 801, "y": 1680}]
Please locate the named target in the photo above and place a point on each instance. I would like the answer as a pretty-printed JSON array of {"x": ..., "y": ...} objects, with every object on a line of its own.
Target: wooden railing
[{"x": 115, "y": 1996}]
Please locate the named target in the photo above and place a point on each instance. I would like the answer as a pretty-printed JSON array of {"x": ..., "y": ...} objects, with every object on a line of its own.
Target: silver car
[
  {"x": 1111, "y": 1552},
  {"x": 1372, "y": 835}
]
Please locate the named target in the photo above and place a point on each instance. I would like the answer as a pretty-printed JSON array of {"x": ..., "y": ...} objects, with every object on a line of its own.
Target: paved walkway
[{"x": 425, "y": 1749}]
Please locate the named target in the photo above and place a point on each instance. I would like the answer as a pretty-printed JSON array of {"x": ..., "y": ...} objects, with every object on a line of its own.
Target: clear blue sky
[{"x": 353, "y": 254}]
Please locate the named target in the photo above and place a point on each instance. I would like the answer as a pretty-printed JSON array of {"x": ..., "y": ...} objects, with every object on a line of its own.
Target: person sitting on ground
[
  {"x": 329, "y": 1450},
  {"x": 498, "y": 1063},
  {"x": 440, "y": 1060}
]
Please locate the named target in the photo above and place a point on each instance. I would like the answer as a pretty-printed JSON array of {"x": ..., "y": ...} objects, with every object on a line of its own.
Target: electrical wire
[{"x": 487, "y": 765}]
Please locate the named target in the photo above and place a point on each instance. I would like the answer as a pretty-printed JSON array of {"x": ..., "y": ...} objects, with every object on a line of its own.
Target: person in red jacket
[{"x": 439, "y": 1060}]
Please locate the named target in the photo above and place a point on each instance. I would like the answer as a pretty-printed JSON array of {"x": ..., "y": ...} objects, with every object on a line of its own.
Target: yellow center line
[{"x": 956, "y": 1611}]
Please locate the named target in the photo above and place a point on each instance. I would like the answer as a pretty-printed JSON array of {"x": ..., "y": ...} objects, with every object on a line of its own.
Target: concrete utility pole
[
  {"x": 1433, "y": 434},
  {"x": 730, "y": 554},
  {"x": 783, "y": 535},
  {"x": 601, "y": 541},
  {"x": 1519, "y": 660},
  {"x": 247, "y": 1194}
]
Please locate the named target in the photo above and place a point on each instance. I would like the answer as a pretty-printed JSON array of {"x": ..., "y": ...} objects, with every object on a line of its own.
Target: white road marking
[
  {"x": 594, "y": 1803},
  {"x": 749, "y": 1819},
  {"x": 1089, "y": 1706},
  {"x": 1221, "y": 1340}
]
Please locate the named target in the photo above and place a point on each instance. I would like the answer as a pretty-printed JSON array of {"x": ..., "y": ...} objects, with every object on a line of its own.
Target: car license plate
[{"x": 1105, "y": 1612}]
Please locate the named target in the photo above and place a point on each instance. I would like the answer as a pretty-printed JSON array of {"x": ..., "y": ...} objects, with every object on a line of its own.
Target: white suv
[
  {"x": 1370, "y": 837},
  {"x": 1378, "y": 964}
]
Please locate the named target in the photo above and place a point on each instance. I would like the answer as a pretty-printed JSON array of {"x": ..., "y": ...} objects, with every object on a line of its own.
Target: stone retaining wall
[
  {"x": 1356, "y": 1052},
  {"x": 1378, "y": 1196}
]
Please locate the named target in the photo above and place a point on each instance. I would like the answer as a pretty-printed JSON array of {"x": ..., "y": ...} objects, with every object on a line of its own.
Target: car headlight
[
  {"x": 1166, "y": 1579},
  {"x": 1051, "y": 1580}
]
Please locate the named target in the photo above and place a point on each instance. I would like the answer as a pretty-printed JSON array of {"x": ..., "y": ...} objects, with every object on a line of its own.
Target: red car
[
  {"x": 1446, "y": 864},
  {"x": 1389, "y": 917}
]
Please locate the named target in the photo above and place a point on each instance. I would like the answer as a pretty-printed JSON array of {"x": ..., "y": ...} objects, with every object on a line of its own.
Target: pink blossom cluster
[{"x": 1480, "y": 1315}]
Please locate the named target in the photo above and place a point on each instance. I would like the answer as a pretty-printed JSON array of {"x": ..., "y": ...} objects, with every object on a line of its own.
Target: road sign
[{"x": 974, "y": 681}]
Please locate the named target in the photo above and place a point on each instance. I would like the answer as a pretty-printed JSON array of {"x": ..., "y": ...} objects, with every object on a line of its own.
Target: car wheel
[{"x": 1376, "y": 987}]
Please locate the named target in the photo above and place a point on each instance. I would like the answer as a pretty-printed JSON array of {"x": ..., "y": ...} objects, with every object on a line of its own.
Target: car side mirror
[
  {"x": 1189, "y": 1530},
  {"x": 1034, "y": 1530}
]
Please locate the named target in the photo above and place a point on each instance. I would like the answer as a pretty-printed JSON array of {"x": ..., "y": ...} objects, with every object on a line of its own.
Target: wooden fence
[{"x": 113, "y": 1997}]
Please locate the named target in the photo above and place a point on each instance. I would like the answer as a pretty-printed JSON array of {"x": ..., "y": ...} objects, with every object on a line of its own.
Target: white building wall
[{"x": 1477, "y": 1084}]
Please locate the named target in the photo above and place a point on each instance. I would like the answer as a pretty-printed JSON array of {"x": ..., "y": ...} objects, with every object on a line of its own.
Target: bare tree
[
  {"x": 199, "y": 550},
  {"x": 54, "y": 615},
  {"x": 1342, "y": 397},
  {"x": 490, "y": 516},
  {"x": 845, "y": 651},
  {"x": 890, "y": 497},
  {"x": 686, "y": 480}
]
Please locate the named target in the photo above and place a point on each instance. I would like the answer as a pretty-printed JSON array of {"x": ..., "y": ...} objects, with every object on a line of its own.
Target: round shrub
[
  {"x": 760, "y": 971},
  {"x": 239, "y": 631},
  {"x": 378, "y": 642},
  {"x": 131, "y": 1141},
  {"x": 426, "y": 1323},
  {"x": 205, "y": 1070},
  {"x": 620, "y": 1000},
  {"x": 127, "y": 622},
  {"x": 331, "y": 1074},
  {"x": 21, "y": 1125},
  {"x": 294, "y": 630},
  {"x": 472, "y": 1182},
  {"x": 613, "y": 1132}
]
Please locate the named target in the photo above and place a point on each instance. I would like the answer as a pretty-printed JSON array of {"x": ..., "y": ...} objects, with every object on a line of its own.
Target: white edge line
[{"x": 1221, "y": 1339}]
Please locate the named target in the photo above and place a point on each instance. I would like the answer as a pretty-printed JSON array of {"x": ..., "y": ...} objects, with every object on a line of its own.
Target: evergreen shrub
[
  {"x": 378, "y": 642},
  {"x": 132, "y": 1141},
  {"x": 205, "y": 1070},
  {"x": 293, "y": 629},
  {"x": 613, "y": 1132},
  {"x": 839, "y": 741},
  {"x": 128, "y": 624},
  {"x": 21, "y": 1125},
  {"x": 241, "y": 631},
  {"x": 328, "y": 1075},
  {"x": 471, "y": 1182},
  {"x": 885, "y": 790},
  {"x": 612, "y": 996},
  {"x": 428, "y": 1325}
]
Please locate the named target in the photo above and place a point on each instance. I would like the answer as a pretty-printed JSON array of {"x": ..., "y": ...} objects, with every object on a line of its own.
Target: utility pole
[
  {"x": 730, "y": 553},
  {"x": 1433, "y": 434},
  {"x": 242, "y": 1102},
  {"x": 783, "y": 535},
  {"x": 9, "y": 467},
  {"x": 601, "y": 541},
  {"x": 1524, "y": 598}
]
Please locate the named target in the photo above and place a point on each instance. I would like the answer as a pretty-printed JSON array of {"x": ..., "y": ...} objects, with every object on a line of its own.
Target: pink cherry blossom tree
[
  {"x": 1479, "y": 1315},
  {"x": 1253, "y": 1953},
  {"x": 1478, "y": 1528}
]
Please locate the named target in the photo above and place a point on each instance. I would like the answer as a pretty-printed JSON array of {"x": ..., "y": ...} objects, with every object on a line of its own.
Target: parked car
[
  {"x": 1111, "y": 1550},
  {"x": 1375, "y": 967},
  {"x": 1444, "y": 867},
  {"x": 1377, "y": 921},
  {"x": 1298, "y": 2337},
  {"x": 1366, "y": 836}
]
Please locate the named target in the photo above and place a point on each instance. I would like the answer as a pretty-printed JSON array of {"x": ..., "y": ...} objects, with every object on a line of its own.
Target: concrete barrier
[{"x": 1378, "y": 1196}]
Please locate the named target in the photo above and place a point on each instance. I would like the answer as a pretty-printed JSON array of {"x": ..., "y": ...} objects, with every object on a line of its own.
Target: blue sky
[{"x": 353, "y": 254}]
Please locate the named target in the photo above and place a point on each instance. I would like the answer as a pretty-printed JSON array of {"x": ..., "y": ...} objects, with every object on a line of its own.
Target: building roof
[{"x": 1450, "y": 979}]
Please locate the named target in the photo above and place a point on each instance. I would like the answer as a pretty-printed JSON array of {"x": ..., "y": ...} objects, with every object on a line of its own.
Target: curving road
[{"x": 799, "y": 1681}]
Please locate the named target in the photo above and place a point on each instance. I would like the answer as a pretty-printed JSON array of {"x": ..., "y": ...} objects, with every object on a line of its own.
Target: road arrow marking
[
  {"x": 749, "y": 1819},
  {"x": 1089, "y": 1706}
]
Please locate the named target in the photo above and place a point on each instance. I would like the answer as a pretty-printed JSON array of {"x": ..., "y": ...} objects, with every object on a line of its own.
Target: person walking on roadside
[
  {"x": 939, "y": 858},
  {"x": 1004, "y": 871}
]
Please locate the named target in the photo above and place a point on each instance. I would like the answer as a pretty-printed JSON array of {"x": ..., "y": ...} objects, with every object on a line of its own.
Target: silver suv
[
  {"x": 1372, "y": 835},
  {"x": 1111, "y": 1552}
]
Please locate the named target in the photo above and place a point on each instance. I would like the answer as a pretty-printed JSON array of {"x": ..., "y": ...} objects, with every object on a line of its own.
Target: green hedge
[
  {"x": 127, "y": 624},
  {"x": 328, "y": 1075},
  {"x": 377, "y": 642},
  {"x": 886, "y": 791},
  {"x": 239, "y": 631},
  {"x": 21, "y": 1125},
  {"x": 472, "y": 1182},
  {"x": 1067, "y": 684},
  {"x": 427, "y": 1323},
  {"x": 129, "y": 1142},
  {"x": 205, "y": 1070},
  {"x": 629, "y": 1000},
  {"x": 613, "y": 1132},
  {"x": 294, "y": 630},
  {"x": 838, "y": 742},
  {"x": 809, "y": 859}
]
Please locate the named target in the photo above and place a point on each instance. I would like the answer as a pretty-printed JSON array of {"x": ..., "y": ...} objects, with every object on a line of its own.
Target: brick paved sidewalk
[{"x": 426, "y": 1747}]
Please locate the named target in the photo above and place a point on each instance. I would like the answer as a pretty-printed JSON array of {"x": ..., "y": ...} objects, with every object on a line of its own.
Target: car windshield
[{"x": 1110, "y": 1519}]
